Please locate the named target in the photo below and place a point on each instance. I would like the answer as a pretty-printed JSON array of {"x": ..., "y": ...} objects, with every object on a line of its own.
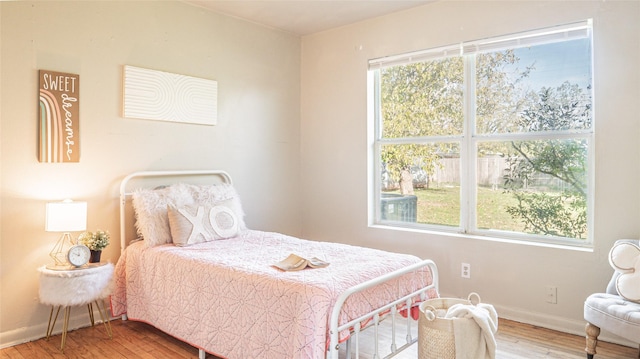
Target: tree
[
  {"x": 420, "y": 99},
  {"x": 561, "y": 211},
  {"x": 426, "y": 99},
  {"x": 422, "y": 103}
]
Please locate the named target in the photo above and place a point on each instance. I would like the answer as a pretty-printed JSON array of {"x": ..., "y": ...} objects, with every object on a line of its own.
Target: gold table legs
[
  {"x": 65, "y": 324},
  {"x": 103, "y": 317}
]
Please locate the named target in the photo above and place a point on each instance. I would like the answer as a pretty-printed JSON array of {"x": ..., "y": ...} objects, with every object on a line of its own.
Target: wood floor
[{"x": 133, "y": 340}]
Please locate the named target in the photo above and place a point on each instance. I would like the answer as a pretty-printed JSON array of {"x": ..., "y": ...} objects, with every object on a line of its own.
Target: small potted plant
[{"x": 96, "y": 242}]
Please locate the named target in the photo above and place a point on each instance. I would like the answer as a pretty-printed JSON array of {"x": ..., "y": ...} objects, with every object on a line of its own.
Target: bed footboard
[{"x": 376, "y": 315}]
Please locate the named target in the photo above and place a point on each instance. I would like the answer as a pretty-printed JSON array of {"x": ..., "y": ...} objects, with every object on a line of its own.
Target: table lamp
[{"x": 66, "y": 216}]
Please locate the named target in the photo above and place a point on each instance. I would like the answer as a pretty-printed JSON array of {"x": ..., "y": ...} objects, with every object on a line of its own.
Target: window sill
[{"x": 535, "y": 243}]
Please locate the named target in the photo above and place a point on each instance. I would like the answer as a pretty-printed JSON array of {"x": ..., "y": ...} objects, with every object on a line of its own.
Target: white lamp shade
[{"x": 66, "y": 216}]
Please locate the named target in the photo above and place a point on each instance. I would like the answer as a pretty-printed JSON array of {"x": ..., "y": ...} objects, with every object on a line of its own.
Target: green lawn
[{"x": 441, "y": 206}]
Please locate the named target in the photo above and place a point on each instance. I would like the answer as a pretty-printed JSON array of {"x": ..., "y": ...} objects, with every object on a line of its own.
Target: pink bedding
[{"x": 226, "y": 298}]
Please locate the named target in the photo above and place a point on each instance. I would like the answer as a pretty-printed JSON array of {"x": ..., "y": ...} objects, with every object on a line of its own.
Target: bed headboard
[{"x": 152, "y": 179}]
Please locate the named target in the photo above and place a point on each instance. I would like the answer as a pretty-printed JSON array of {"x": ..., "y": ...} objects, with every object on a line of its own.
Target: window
[{"x": 490, "y": 137}]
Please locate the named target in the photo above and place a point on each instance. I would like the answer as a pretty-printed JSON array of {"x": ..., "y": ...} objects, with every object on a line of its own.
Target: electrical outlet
[
  {"x": 466, "y": 270},
  {"x": 552, "y": 295}
]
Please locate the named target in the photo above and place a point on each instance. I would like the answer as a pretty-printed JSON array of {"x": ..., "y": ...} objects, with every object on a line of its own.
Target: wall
[
  {"x": 511, "y": 276},
  {"x": 256, "y": 139}
]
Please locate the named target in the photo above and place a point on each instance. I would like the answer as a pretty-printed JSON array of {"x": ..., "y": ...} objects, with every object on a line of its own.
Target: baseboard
[
  {"x": 27, "y": 334},
  {"x": 565, "y": 325},
  {"x": 560, "y": 324}
]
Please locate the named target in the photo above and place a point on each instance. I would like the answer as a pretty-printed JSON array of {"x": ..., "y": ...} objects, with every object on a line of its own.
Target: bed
[{"x": 198, "y": 273}]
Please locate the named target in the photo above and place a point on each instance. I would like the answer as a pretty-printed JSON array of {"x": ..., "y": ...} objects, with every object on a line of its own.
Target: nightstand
[{"x": 87, "y": 285}]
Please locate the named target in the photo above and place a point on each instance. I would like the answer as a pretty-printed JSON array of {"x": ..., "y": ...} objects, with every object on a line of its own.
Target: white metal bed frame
[{"x": 375, "y": 316}]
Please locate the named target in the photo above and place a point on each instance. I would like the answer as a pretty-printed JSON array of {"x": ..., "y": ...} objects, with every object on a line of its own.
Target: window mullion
[
  {"x": 467, "y": 153},
  {"x": 421, "y": 140},
  {"x": 374, "y": 93}
]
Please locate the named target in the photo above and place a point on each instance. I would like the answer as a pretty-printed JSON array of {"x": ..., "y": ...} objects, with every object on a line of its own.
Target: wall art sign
[
  {"x": 163, "y": 96},
  {"x": 59, "y": 120}
]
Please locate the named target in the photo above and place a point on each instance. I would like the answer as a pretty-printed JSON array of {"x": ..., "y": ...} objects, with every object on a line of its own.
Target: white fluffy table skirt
[{"x": 75, "y": 286}]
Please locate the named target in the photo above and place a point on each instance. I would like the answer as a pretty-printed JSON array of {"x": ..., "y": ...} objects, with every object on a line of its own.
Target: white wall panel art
[{"x": 158, "y": 95}]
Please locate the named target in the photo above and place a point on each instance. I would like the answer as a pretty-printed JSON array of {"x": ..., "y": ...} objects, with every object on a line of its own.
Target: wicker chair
[{"x": 612, "y": 312}]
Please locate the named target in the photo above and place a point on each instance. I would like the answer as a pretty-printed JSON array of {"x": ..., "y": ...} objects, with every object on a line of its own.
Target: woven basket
[{"x": 435, "y": 333}]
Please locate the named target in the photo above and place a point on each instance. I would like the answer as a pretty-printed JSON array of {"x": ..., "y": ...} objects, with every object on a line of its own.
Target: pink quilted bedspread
[{"x": 226, "y": 298}]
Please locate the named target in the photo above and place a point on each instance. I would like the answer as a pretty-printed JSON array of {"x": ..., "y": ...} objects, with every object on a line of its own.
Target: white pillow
[
  {"x": 625, "y": 258},
  {"x": 209, "y": 195},
  {"x": 150, "y": 206},
  {"x": 202, "y": 223}
]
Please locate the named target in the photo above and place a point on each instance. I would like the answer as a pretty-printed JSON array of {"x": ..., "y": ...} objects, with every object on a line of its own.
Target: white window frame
[{"x": 469, "y": 138}]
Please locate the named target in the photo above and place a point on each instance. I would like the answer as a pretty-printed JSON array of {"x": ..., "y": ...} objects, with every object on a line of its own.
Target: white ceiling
[{"x": 304, "y": 17}]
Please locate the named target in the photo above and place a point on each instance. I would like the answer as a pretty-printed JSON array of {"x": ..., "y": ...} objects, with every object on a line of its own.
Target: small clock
[{"x": 78, "y": 255}]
